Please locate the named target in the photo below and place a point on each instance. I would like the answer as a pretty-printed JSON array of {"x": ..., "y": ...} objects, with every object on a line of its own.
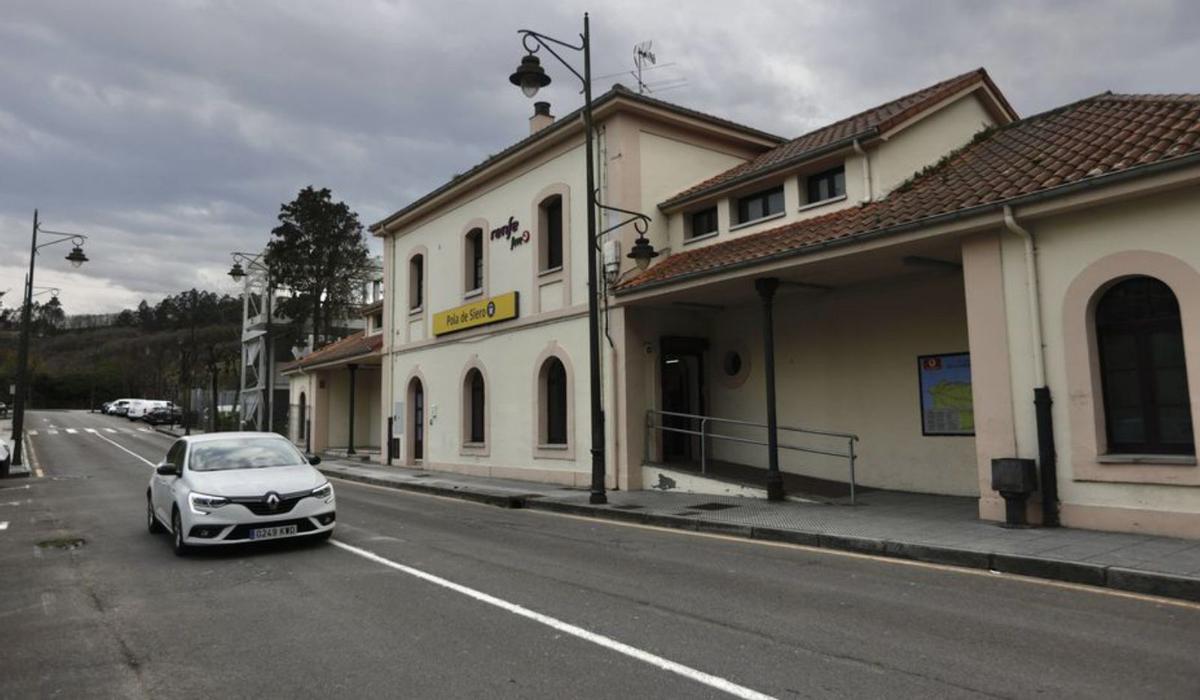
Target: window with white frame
[
  {"x": 701, "y": 223},
  {"x": 416, "y": 282},
  {"x": 827, "y": 184},
  {"x": 550, "y": 247},
  {"x": 473, "y": 261},
  {"x": 760, "y": 205}
]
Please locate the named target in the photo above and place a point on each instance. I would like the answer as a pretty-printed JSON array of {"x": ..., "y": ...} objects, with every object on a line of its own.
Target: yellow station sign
[{"x": 477, "y": 313}]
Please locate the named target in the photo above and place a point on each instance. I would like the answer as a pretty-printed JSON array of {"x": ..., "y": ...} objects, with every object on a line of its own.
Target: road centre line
[
  {"x": 607, "y": 642},
  {"x": 72, "y": 431},
  {"x": 124, "y": 449},
  {"x": 90, "y": 430},
  {"x": 110, "y": 430}
]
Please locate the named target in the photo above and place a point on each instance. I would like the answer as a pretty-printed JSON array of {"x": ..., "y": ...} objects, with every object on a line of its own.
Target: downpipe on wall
[{"x": 1047, "y": 455}]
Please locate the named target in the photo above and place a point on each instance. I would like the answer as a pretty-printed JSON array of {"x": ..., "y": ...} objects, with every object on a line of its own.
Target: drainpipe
[
  {"x": 866, "y": 171},
  {"x": 1047, "y": 456}
]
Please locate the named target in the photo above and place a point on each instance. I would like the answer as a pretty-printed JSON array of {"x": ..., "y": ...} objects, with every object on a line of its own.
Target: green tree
[{"x": 319, "y": 254}]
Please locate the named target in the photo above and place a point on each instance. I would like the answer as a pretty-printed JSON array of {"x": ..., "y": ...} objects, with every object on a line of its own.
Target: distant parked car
[
  {"x": 119, "y": 407},
  {"x": 165, "y": 414},
  {"x": 138, "y": 408}
]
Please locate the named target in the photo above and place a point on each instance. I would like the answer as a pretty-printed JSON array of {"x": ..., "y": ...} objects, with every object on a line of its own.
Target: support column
[
  {"x": 350, "y": 441},
  {"x": 766, "y": 287}
]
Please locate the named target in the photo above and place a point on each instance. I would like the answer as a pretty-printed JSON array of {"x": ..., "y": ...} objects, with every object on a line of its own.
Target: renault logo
[{"x": 272, "y": 500}]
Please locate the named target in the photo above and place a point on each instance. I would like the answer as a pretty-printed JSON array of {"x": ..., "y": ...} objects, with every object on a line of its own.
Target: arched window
[
  {"x": 416, "y": 282},
  {"x": 473, "y": 261},
  {"x": 1147, "y": 409},
  {"x": 475, "y": 407},
  {"x": 554, "y": 408},
  {"x": 550, "y": 247}
]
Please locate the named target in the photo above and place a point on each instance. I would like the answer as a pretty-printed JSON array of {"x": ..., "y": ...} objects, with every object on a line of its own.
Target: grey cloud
[{"x": 172, "y": 131}]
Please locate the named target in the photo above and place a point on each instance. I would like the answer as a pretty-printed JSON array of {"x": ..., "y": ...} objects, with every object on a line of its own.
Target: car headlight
[
  {"x": 323, "y": 492},
  {"x": 202, "y": 503}
]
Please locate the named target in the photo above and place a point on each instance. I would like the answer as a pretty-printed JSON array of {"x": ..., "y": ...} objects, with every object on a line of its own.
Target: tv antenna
[{"x": 643, "y": 53}]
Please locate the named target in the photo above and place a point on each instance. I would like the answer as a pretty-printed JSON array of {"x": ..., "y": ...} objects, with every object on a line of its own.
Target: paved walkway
[{"x": 940, "y": 529}]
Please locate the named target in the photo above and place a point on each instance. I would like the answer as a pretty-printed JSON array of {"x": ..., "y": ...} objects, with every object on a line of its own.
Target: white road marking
[
  {"x": 606, "y": 642},
  {"x": 91, "y": 430},
  {"x": 72, "y": 431},
  {"x": 145, "y": 430},
  {"x": 52, "y": 432},
  {"x": 110, "y": 430},
  {"x": 33, "y": 458},
  {"x": 31, "y": 433},
  {"x": 3, "y": 524},
  {"x": 123, "y": 449}
]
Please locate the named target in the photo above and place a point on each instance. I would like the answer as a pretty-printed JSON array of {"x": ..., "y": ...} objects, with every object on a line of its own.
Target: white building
[{"x": 928, "y": 263}]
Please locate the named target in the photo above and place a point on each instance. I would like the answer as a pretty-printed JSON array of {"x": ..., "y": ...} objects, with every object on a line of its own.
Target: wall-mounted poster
[{"x": 946, "y": 407}]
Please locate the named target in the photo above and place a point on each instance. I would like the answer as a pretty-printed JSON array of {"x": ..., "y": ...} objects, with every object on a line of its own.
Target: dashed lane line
[
  {"x": 31, "y": 433},
  {"x": 3, "y": 524},
  {"x": 688, "y": 672},
  {"x": 72, "y": 431},
  {"x": 90, "y": 430},
  {"x": 110, "y": 430},
  {"x": 121, "y": 447},
  {"x": 52, "y": 432}
]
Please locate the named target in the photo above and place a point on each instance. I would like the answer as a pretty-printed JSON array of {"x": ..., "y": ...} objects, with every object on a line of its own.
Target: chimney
[{"x": 541, "y": 118}]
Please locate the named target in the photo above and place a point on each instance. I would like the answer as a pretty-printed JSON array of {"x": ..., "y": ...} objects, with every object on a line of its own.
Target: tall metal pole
[
  {"x": 597, "y": 494},
  {"x": 18, "y": 426},
  {"x": 270, "y": 361},
  {"x": 766, "y": 287}
]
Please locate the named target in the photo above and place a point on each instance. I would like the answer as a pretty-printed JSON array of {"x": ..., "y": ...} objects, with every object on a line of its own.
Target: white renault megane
[{"x": 226, "y": 488}]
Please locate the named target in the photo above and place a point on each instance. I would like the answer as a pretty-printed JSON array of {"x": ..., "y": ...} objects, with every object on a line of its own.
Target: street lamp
[
  {"x": 76, "y": 258},
  {"x": 256, "y": 261},
  {"x": 531, "y": 77}
]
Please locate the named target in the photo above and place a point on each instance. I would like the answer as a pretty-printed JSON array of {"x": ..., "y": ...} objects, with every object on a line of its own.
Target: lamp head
[
  {"x": 76, "y": 257},
  {"x": 236, "y": 271},
  {"x": 642, "y": 253},
  {"x": 529, "y": 76}
]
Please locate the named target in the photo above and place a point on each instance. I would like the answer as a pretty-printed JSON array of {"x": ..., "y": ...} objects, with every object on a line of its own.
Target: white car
[
  {"x": 138, "y": 407},
  {"x": 226, "y": 488}
]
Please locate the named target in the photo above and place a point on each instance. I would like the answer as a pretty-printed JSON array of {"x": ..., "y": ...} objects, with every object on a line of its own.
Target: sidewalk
[{"x": 935, "y": 529}]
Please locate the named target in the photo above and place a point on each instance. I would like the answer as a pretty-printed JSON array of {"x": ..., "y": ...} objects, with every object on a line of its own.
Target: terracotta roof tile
[
  {"x": 872, "y": 121},
  {"x": 1060, "y": 147},
  {"x": 358, "y": 344}
]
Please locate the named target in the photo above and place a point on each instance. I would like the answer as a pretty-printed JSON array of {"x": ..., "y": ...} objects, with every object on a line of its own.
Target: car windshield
[{"x": 243, "y": 453}]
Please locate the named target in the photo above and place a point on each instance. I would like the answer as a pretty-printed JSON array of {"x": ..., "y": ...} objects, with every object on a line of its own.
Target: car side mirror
[
  {"x": 166, "y": 469},
  {"x": 314, "y": 459}
]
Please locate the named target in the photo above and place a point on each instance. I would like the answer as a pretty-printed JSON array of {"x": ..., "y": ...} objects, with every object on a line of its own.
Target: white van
[{"x": 138, "y": 408}]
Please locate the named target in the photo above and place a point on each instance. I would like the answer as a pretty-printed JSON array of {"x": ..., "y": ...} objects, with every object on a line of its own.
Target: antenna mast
[{"x": 643, "y": 53}]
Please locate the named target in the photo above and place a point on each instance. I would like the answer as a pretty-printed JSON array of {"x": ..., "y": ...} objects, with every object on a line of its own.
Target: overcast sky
[{"x": 170, "y": 131}]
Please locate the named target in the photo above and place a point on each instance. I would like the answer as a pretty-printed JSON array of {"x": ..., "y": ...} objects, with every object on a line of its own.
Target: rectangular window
[
  {"x": 473, "y": 264},
  {"x": 760, "y": 205},
  {"x": 554, "y": 233},
  {"x": 703, "y": 222},
  {"x": 416, "y": 282},
  {"x": 826, "y": 185}
]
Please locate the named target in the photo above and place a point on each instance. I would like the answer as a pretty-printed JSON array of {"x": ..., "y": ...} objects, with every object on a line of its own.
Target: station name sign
[{"x": 478, "y": 313}]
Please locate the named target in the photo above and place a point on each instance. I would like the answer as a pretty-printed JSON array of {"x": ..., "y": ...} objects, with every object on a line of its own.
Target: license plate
[{"x": 266, "y": 533}]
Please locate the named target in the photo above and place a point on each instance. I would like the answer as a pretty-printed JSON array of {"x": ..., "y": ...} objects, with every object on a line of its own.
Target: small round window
[{"x": 732, "y": 363}]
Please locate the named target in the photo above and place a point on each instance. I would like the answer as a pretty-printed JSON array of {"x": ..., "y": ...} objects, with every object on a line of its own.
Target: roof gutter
[
  {"x": 959, "y": 214},
  {"x": 733, "y": 182}
]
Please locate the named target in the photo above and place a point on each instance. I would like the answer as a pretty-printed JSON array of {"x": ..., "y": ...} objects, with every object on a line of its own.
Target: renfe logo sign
[
  {"x": 477, "y": 313},
  {"x": 509, "y": 231}
]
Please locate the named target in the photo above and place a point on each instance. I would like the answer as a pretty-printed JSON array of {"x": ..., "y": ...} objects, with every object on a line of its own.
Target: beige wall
[
  {"x": 846, "y": 361},
  {"x": 367, "y": 405},
  {"x": 924, "y": 142},
  {"x": 1090, "y": 248}
]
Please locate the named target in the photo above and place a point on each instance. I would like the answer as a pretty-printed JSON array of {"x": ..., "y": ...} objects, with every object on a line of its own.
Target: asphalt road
[{"x": 121, "y": 616}]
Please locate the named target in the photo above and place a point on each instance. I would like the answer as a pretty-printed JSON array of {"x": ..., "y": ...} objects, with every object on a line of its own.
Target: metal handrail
[{"x": 704, "y": 436}]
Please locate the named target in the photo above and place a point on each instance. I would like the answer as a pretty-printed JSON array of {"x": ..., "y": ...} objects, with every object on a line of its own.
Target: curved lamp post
[
  {"x": 531, "y": 77},
  {"x": 76, "y": 257}
]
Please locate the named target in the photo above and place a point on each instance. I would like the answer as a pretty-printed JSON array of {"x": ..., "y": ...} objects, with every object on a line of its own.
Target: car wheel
[
  {"x": 181, "y": 548},
  {"x": 152, "y": 523}
]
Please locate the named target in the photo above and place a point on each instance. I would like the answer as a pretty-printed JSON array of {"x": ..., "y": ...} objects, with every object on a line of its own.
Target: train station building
[{"x": 938, "y": 287}]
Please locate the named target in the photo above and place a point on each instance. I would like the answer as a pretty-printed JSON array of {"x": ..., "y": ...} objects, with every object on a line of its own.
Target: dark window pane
[
  {"x": 475, "y": 260},
  {"x": 477, "y": 406},
  {"x": 826, "y": 185},
  {"x": 1146, "y": 401},
  {"x": 759, "y": 205},
  {"x": 416, "y": 281},
  {"x": 554, "y": 233},
  {"x": 704, "y": 222},
  {"x": 556, "y": 403}
]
